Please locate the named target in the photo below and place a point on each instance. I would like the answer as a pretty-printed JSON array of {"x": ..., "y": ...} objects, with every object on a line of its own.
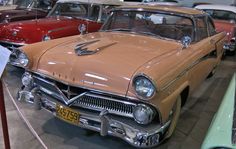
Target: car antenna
[{"x": 36, "y": 17}]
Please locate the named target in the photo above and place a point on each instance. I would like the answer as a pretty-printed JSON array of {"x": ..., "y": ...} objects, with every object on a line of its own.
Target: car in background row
[
  {"x": 130, "y": 79},
  {"x": 225, "y": 20},
  {"x": 27, "y": 10},
  {"x": 67, "y": 18},
  {"x": 222, "y": 131}
]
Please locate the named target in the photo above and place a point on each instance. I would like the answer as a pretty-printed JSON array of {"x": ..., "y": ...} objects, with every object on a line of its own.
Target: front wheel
[{"x": 175, "y": 116}]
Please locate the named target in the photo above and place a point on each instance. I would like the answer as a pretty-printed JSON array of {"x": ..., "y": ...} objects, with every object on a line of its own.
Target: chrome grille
[
  {"x": 83, "y": 98},
  {"x": 99, "y": 103}
]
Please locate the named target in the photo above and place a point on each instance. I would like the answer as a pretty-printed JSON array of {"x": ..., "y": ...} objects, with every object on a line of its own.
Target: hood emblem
[
  {"x": 81, "y": 50},
  {"x": 14, "y": 33}
]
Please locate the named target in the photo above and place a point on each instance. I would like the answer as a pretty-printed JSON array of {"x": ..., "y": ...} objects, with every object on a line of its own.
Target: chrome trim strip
[
  {"x": 207, "y": 56},
  {"x": 59, "y": 29},
  {"x": 185, "y": 70}
]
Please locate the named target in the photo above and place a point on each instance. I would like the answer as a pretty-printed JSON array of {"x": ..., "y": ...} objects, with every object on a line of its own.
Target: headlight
[
  {"x": 144, "y": 88},
  {"x": 46, "y": 38},
  {"x": 18, "y": 58},
  {"x": 143, "y": 114},
  {"x": 27, "y": 80}
]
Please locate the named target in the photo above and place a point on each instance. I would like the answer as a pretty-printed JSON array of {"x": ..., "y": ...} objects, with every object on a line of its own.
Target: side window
[
  {"x": 211, "y": 27},
  {"x": 201, "y": 28}
]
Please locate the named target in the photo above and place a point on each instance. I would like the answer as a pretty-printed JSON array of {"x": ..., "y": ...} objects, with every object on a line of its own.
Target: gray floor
[{"x": 191, "y": 129}]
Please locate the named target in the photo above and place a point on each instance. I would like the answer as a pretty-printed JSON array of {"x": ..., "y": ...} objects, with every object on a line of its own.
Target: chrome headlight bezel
[
  {"x": 146, "y": 80},
  {"x": 19, "y": 58},
  {"x": 139, "y": 112}
]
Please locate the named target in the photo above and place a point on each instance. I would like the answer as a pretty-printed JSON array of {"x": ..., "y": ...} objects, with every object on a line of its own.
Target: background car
[
  {"x": 128, "y": 80},
  {"x": 27, "y": 10},
  {"x": 67, "y": 18},
  {"x": 225, "y": 20},
  {"x": 221, "y": 133}
]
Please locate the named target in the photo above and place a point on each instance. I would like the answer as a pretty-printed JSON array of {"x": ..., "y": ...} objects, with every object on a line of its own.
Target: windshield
[
  {"x": 82, "y": 10},
  {"x": 23, "y": 3},
  {"x": 42, "y": 4},
  {"x": 150, "y": 23}
]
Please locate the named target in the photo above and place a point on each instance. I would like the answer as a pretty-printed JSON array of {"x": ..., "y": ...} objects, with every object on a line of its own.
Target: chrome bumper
[
  {"x": 107, "y": 124},
  {"x": 229, "y": 46}
]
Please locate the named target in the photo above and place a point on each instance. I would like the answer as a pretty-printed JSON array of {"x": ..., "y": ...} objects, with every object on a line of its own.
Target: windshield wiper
[
  {"x": 121, "y": 29},
  {"x": 152, "y": 34}
]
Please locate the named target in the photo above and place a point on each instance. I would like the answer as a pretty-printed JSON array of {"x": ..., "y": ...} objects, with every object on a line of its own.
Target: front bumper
[{"x": 141, "y": 136}]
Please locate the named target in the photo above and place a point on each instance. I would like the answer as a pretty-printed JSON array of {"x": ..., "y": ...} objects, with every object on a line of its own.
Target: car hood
[
  {"x": 32, "y": 31},
  {"x": 108, "y": 60}
]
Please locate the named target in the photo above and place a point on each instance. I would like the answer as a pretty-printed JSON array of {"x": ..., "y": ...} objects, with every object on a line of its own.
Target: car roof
[
  {"x": 172, "y": 9},
  {"x": 107, "y": 2},
  {"x": 217, "y": 7}
]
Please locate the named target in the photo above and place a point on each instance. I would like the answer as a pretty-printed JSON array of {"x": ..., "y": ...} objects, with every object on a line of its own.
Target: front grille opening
[
  {"x": 99, "y": 103},
  {"x": 91, "y": 101}
]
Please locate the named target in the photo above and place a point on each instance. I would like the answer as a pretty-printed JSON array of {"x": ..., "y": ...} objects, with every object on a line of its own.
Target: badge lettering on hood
[{"x": 81, "y": 49}]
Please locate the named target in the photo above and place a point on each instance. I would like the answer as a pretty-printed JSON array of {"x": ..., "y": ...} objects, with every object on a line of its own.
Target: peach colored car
[{"x": 128, "y": 80}]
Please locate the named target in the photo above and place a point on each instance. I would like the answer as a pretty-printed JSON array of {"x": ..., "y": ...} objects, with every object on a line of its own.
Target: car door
[{"x": 204, "y": 53}]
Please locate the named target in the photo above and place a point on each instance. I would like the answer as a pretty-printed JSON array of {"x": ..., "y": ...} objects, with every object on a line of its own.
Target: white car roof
[
  {"x": 217, "y": 7},
  {"x": 109, "y": 2}
]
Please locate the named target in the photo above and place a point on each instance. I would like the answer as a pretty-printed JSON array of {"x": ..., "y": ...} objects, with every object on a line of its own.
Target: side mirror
[{"x": 186, "y": 40}]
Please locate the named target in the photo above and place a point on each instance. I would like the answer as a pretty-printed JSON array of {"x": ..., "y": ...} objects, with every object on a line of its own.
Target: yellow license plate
[{"x": 67, "y": 114}]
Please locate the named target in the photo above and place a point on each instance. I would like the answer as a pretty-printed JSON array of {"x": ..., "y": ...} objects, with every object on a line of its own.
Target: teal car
[{"x": 222, "y": 132}]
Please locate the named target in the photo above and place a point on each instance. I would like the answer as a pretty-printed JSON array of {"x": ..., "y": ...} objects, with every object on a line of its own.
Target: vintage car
[
  {"x": 225, "y": 20},
  {"x": 27, "y": 10},
  {"x": 67, "y": 18},
  {"x": 128, "y": 80},
  {"x": 222, "y": 131}
]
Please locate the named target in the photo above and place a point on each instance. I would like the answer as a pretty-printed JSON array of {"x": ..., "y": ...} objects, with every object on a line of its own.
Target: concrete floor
[{"x": 194, "y": 121}]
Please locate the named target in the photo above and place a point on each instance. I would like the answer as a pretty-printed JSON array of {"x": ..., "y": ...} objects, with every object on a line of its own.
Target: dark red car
[
  {"x": 225, "y": 20},
  {"x": 67, "y": 18},
  {"x": 27, "y": 10}
]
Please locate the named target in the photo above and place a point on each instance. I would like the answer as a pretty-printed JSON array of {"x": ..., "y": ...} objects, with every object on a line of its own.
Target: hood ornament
[
  {"x": 81, "y": 50},
  {"x": 14, "y": 33}
]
